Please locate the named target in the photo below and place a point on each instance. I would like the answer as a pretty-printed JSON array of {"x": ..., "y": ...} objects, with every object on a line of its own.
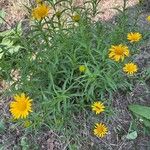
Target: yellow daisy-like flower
[
  {"x": 98, "y": 107},
  {"x": 100, "y": 130},
  {"x": 40, "y": 12},
  {"x": 134, "y": 37},
  {"x": 148, "y": 18},
  {"x": 130, "y": 68},
  {"x": 82, "y": 68},
  {"x": 118, "y": 52},
  {"x": 21, "y": 106},
  {"x": 76, "y": 18}
]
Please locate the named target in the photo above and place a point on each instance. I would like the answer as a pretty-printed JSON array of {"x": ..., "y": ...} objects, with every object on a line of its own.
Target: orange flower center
[
  {"x": 130, "y": 68},
  {"x": 100, "y": 129},
  {"x": 42, "y": 12},
  {"x": 134, "y": 37},
  {"x": 119, "y": 51},
  {"x": 22, "y": 106},
  {"x": 97, "y": 107}
]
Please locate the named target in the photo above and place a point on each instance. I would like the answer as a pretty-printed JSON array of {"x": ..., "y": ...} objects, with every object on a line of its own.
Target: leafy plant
[
  {"x": 24, "y": 143},
  {"x": 142, "y": 112},
  {"x": 47, "y": 60},
  {"x": 132, "y": 135}
]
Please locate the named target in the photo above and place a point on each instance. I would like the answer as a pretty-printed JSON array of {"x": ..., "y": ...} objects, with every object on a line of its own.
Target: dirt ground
[
  {"x": 16, "y": 11},
  {"x": 48, "y": 140}
]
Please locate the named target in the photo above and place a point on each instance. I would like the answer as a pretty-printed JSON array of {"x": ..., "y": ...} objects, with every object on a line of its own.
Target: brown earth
[{"x": 16, "y": 11}]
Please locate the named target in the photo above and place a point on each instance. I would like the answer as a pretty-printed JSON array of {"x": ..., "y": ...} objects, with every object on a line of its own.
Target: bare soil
[{"x": 16, "y": 11}]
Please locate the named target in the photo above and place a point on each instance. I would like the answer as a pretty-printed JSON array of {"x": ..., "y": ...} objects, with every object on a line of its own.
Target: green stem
[{"x": 44, "y": 35}]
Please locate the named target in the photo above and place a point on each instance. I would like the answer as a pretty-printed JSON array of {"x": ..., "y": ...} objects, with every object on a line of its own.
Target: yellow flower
[
  {"x": 100, "y": 130},
  {"x": 134, "y": 37},
  {"x": 21, "y": 106},
  {"x": 40, "y": 12},
  {"x": 118, "y": 52},
  {"x": 27, "y": 123},
  {"x": 82, "y": 68},
  {"x": 76, "y": 18},
  {"x": 130, "y": 68},
  {"x": 98, "y": 107},
  {"x": 148, "y": 18}
]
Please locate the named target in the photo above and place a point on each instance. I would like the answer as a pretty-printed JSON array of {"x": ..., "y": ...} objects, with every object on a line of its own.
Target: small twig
[{"x": 5, "y": 21}]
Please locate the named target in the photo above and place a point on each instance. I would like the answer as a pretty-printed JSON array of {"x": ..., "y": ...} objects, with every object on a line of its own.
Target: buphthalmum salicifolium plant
[{"x": 68, "y": 60}]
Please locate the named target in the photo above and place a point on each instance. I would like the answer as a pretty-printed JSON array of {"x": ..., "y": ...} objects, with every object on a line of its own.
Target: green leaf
[
  {"x": 19, "y": 28},
  {"x": 24, "y": 144},
  {"x": 132, "y": 135},
  {"x": 14, "y": 49},
  {"x": 7, "y": 42},
  {"x": 146, "y": 123},
  {"x": 1, "y": 147},
  {"x": 2, "y": 126},
  {"x": 1, "y": 53},
  {"x": 142, "y": 111}
]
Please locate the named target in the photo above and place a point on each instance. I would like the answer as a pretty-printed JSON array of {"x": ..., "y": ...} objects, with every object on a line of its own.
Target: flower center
[
  {"x": 42, "y": 12},
  {"x": 100, "y": 129},
  {"x": 22, "y": 106},
  {"x": 134, "y": 37},
  {"x": 119, "y": 51},
  {"x": 130, "y": 68},
  {"x": 97, "y": 107}
]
